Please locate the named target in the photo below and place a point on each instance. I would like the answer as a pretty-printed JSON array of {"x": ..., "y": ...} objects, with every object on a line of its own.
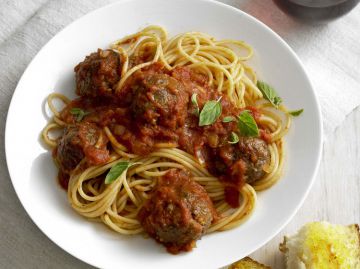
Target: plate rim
[{"x": 220, "y": 5}]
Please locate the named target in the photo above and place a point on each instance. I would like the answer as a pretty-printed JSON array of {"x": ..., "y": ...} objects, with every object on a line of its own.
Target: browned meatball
[
  {"x": 238, "y": 164},
  {"x": 158, "y": 99},
  {"x": 255, "y": 153},
  {"x": 98, "y": 74},
  {"x": 245, "y": 159},
  {"x": 82, "y": 140},
  {"x": 178, "y": 213}
]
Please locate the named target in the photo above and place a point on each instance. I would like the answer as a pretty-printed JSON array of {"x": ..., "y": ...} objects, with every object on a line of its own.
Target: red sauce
[
  {"x": 154, "y": 107},
  {"x": 264, "y": 134},
  {"x": 232, "y": 196},
  {"x": 63, "y": 179}
]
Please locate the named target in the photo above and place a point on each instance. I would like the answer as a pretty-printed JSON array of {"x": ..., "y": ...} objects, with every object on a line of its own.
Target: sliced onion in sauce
[
  {"x": 213, "y": 140},
  {"x": 104, "y": 53},
  {"x": 119, "y": 129},
  {"x": 200, "y": 157},
  {"x": 166, "y": 145}
]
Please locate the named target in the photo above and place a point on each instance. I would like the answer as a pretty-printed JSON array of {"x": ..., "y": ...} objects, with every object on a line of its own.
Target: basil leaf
[
  {"x": 76, "y": 111},
  {"x": 210, "y": 112},
  {"x": 269, "y": 93},
  {"x": 296, "y": 113},
  {"x": 79, "y": 113},
  {"x": 116, "y": 171},
  {"x": 247, "y": 124},
  {"x": 234, "y": 138},
  {"x": 195, "y": 103},
  {"x": 228, "y": 119}
]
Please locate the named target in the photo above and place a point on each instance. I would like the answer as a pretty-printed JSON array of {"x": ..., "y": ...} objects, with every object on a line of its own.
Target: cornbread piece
[
  {"x": 248, "y": 263},
  {"x": 321, "y": 245}
]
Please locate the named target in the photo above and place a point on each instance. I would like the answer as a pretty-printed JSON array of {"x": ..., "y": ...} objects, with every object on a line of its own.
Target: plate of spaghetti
[{"x": 139, "y": 138}]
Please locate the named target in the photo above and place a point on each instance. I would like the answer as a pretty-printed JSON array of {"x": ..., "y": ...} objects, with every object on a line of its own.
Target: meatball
[
  {"x": 255, "y": 154},
  {"x": 245, "y": 159},
  {"x": 79, "y": 141},
  {"x": 158, "y": 99},
  {"x": 178, "y": 213},
  {"x": 238, "y": 164},
  {"x": 98, "y": 74}
]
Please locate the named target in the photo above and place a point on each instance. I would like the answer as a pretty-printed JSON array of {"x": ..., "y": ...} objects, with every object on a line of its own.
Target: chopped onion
[
  {"x": 213, "y": 140},
  {"x": 200, "y": 157},
  {"x": 119, "y": 129}
]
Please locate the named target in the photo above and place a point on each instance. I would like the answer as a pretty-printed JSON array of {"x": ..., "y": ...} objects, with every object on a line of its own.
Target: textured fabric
[{"x": 330, "y": 53}]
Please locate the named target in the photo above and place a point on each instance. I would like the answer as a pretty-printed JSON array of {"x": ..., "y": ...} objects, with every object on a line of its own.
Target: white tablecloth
[{"x": 329, "y": 51}]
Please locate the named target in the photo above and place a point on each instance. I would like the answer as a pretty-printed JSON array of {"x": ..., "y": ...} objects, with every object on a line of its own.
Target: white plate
[{"x": 33, "y": 173}]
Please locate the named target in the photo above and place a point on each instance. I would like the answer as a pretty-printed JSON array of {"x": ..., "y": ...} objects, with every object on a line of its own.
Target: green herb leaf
[
  {"x": 195, "y": 103},
  {"x": 247, "y": 124},
  {"x": 234, "y": 138},
  {"x": 210, "y": 112},
  {"x": 76, "y": 110},
  {"x": 79, "y": 113},
  {"x": 116, "y": 171},
  {"x": 269, "y": 93},
  {"x": 228, "y": 119},
  {"x": 296, "y": 113}
]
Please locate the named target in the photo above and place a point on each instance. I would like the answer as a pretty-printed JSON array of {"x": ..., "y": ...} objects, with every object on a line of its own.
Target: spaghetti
[{"x": 223, "y": 64}]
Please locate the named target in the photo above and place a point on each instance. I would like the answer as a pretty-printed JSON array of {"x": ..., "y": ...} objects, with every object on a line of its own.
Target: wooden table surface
[{"x": 335, "y": 196}]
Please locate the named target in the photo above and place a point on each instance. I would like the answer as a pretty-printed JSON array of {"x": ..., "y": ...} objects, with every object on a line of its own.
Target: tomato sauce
[{"x": 155, "y": 107}]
